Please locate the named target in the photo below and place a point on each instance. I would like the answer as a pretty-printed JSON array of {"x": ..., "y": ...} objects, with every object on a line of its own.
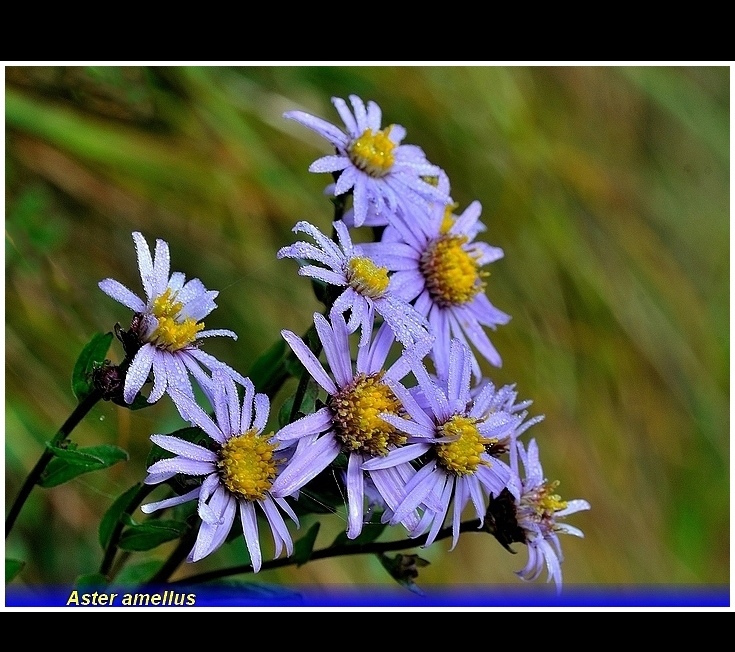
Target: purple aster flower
[
  {"x": 367, "y": 286},
  {"x": 539, "y": 511},
  {"x": 458, "y": 440},
  {"x": 168, "y": 325},
  {"x": 352, "y": 421},
  {"x": 382, "y": 173},
  {"x": 238, "y": 470},
  {"x": 437, "y": 267}
]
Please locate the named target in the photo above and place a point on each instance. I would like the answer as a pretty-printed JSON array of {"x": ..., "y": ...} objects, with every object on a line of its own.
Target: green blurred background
[{"x": 607, "y": 187}]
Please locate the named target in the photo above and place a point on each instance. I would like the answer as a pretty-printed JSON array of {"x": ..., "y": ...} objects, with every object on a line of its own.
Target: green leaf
[
  {"x": 293, "y": 366},
  {"x": 284, "y": 413},
  {"x": 136, "y": 574},
  {"x": 68, "y": 463},
  {"x": 106, "y": 454},
  {"x": 150, "y": 534},
  {"x": 138, "y": 403},
  {"x": 404, "y": 569},
  {"x": 113, "y": 514},
  {"x": 269, "y": 370},
  {"x": 305, "y": 545},
  {"x": 92, "y": 354},
  {"x": 308, "y": 404},
  {"x": 127, "y": 519},
  {"x": 12, "y": 568}
]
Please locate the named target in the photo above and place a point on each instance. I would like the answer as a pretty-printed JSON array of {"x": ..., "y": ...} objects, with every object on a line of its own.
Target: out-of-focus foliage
[{"x": 607, "y": 188}]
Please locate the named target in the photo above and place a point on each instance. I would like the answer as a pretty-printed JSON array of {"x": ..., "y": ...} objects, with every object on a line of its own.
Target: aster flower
[
  {"x": 539, "y": 511},
  {"x": 367, "y": 286},
  {"x": 458, "y": 441},
  {"x": 352, "y": 421},
  {"x": 238, "y": 470},
  {"x": 168, "y": 326},
  {"x": 437, "y": 266},
  {"x": 382, "y": 173}
]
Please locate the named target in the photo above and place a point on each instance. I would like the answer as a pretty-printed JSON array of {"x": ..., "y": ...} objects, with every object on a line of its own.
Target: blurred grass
[{"x": 607, "y": 188}]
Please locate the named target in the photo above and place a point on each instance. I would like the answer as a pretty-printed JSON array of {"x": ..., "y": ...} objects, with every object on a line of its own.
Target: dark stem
[
  {"x": 111, "y": 549},
  {"x": 175, "y": 559},
  {"x": 80, "y": 411},
  {"x": 373, "y": 547}
]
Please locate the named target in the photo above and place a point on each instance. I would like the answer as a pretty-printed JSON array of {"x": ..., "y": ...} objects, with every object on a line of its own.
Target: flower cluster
[{"x": 406, "y": 419}]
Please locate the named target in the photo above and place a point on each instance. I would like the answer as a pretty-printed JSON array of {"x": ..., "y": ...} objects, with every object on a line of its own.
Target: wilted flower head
[
  {"x": 167, "y": 326},
  {"x": 539, "y": 512},
  {"x": 383, "y": 174}
]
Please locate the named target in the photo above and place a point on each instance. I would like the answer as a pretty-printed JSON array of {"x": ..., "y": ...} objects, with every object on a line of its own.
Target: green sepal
[
  {"x": 305, "y": 545},
  {"x": 92, "y": 355},
  {"x": 149, "y": 535},
  {"x": 137, "y": 574},
  {"x": 404, "y": 569},
  {"x": 70, "y": 462},
  {"x": 91, "y": 581},
  {"x": 12, "y": 568},
  {"x": 113, "y": 514}
]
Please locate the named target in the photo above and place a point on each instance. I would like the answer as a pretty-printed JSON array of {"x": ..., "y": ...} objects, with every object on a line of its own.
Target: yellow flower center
[
  {"x": 452, "y": 274},
  {"x": 355, "y": 411},
  {"x": 367, "y": 278},
  {"x": 544, "y": 502},
  {"x": 462, "y": 454},
  {"x": 373, "y": 152},
  {"x": 171, "y": 333},
  {"x": 449, "y": 219},
  {"x": 247, "y": 466}
]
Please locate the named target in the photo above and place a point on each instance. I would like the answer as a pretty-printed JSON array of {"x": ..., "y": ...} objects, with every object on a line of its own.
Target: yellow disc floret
[
  {"x": 367, "y": 278},
  {"x": 449, "y": 218},
  {"x": 462, "y": 454},
  {"x": 544, "y": 501},
  {"x": 355, "y": 412},
  {"x": 247, "y": 466},
  {"x": 452, "y": 273},
  {"x": 172, "y": 333},
  {"x": 372, "y": 152}
]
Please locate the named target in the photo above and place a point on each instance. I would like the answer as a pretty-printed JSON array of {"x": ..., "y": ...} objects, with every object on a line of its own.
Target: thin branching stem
[
  {"x": 80, "y": 411},
  {"x": 372, "y": 548},
  {"x": 111, "y": 549}
]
